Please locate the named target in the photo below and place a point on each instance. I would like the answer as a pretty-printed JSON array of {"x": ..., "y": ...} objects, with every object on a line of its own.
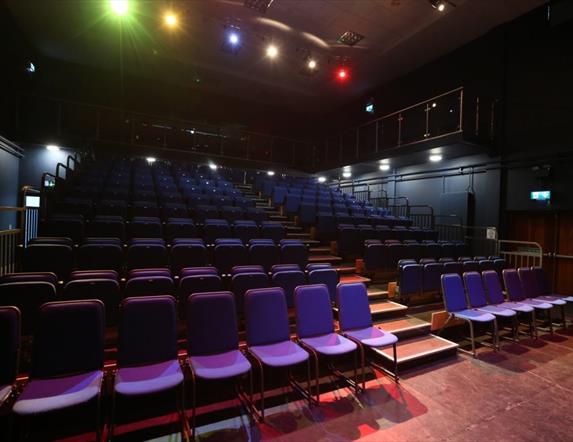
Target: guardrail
[{"x": 520, "y": 253}]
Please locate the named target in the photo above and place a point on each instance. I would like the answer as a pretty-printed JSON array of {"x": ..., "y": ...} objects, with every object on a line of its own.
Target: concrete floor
[{"x": 524, "y": 392}]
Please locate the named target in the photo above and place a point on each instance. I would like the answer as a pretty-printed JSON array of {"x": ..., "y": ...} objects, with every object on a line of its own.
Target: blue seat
[{"x": 289, "y": 280}]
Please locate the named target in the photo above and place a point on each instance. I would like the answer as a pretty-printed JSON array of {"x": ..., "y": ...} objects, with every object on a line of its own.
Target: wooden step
[
  {"x": 345, "y": 269},
  {"x": 310, "y": 242},
  {"x": 418, "y": 350},
  {"x": 405, "y": 326},
  {"x": 324, "y": 258},
  {"x": 388, "y": 309},
  {"x": 292, "y": 229},
  {"x": 298, "y": 235},
  {"x": 278, "y": 218},
  {"x": 377, "y": 294},
  {"x": 348, "y": 279},
  {"x": 319, "y": 250}
]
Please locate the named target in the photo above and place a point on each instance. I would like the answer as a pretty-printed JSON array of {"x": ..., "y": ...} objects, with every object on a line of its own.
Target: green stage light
[{"x": 119, "y": 7}]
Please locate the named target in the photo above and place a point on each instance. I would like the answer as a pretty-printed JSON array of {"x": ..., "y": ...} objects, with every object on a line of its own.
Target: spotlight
[
  {"x": 271, "y": 173},
  {"x": 52, "y": 147},
  {"x": 212, "y": 166},
  {"x": 342, "y": 74},
  {"x": 311, "y": 64},
  {"x": 170, "y": 19},
  {"x": 346, "y": 174},
  {"x": 272, "y": 51},
  {"x": 384, "y": 167},
  {"x": 151, "y": 160},
  {"x": 438, "y": 4},
  {"x": 233, "y": 38},
  {"x": 31, "y": 68},
  {"x": 119, "y": 7},
  {"x": 434, "y": 105},
  {"x": 435, "y": 158},
  {"x": 321, "y": 179}
]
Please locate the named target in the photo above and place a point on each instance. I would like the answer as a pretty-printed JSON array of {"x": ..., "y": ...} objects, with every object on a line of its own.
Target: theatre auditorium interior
[{"x": 290, "y": 220}]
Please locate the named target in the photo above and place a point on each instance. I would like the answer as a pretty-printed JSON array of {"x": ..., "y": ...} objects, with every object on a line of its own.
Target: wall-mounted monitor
[{"x": 540, "y": 195}]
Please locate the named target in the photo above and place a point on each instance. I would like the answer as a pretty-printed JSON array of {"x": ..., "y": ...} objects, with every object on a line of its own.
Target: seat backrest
[
  {"x": 30, "y": 277},
  {"x": 191, "y": 271},
  {"x": 493, "y": 286},
  {"x": 284, "y": 267},
  {"x": 475, "y": 290},
  {"x": 288, "y": 281},
  {"x": 251, "y": 268},
  {"x": 513, "y": 285},
  {"x": 313, "y": 311},
  {"x": 542, "y": 283},
  {"x": 432, "y": 274},
  {"x": 69, "y": 338},
  {"x": 187, "y": 255},
  {"x": 528, "y": 282},
  {"x": 78, "y": 275},
  {"x": 470, "y": 266},
  {"x": 353, "y": 306},
  {"x": 140, "y": 344},
  {"x": 211, "y": 323},
  {"x": 327, "y": 276},
  {"x": 453, "y": 267},
  {"x": 28, "y": 297},
  {"x": 10, "y": 322},
  {"x": 149, "y": 286},
  {"x": 453, "y": 293},
  {"x": 266, "y": 316},
  {"x": 243, "y": 282}
]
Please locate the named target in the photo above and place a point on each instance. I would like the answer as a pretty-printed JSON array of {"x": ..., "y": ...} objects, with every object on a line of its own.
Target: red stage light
[{"x": 342, "y": 74}]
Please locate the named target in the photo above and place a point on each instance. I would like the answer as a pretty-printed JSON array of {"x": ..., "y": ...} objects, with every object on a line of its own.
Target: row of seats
[
  {"x": 147, "y": 357},
  {"x": 425, "y": 277},
  {"x": 354, "y": 239},
  {"x": 29, "y": 290},
  {"x": 149, "y": 227},
  {"x": 478, "y": 298},
  {"x": 378, "y": 256},
  {"x": 108, "y": 254}
]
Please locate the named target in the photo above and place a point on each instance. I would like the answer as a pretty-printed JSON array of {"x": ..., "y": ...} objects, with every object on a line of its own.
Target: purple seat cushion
[
  {"x": 45, "y": 395},
  {"x": 537, "y": 304},
  {"x": 474, "y": 315},
  {"x": 147, "y": 379},
  {"x": 516, "y": 306},
  {"x": 373, "y": 337},
  {"x": 498, "y": 311},
  {"x": 281, "y": 354},
  {"x": 220, "y": 366},
  {"x": 330, "y": 344},
  {"x": 551, "y": 299}
]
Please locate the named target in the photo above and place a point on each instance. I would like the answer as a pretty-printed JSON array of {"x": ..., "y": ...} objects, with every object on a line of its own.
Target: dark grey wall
[
  {"x": 38, "y": 160},
  {"x": 8, "y": 188}
]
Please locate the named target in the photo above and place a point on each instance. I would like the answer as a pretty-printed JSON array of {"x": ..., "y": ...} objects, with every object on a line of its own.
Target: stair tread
[
  {"x": 345, "y": 269},
  {"x": 387, "y": 307},
  {"x": 417, "y": 347},
  {"x": 404, "y": 323},
  {"x": 298, "y": 235},
  {"x": 325, "y": 250},
  {"x": 348, "y": 279},
  {"x": 324, "y": 258},
  {"x": 372, "y": 293}
]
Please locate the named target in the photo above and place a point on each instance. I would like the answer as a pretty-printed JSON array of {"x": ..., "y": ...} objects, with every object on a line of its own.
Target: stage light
[
  {"x": 119, "y": 7},
  {"x": 151, "y": 160},
  {"x": 271, "y": 173},
  {"x": 347, "y": 174},
  {"x": 170, "y": 19},
  {"x": 212, "y": 166},
  {"x": 272, "y": 51},
  {"x": 435, "y": 158},
  {"x": 233, "y": 38},
  {"x": 384, "y": 167},
  {"x": 52, "y": 147},
  {"x": 311, "y": 64},
  {"x": 440, "y": 5},
  {"x": 342, "y": 74},
  {"x": 31, "y": 68},
  {"x": 321, "y": 179}
]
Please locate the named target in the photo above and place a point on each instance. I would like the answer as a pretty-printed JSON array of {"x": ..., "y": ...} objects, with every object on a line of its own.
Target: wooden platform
[
  {"x": 324, "y": 258},
  {"x": 417, "y": 350},
  {"x": 347, "y": 279},
  {"x": 405, "y": 326}
]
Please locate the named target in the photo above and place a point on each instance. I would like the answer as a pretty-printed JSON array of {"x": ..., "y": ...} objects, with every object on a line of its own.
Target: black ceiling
[{"x": 399, "y": 35}]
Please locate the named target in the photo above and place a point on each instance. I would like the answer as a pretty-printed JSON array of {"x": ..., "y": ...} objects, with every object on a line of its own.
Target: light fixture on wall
[
  {"x": 384, "y": 167},
  {"x": 321, "y": 179},
  {"x": 151, "y": 160},
  {"x": 271, "y": 173},
  {"x": 212, "y": 166},
  {"x": 346, "y": 174},
  {"x": 438, "y": 4},
  {"x": 52, "y": 147},
  {"x": 435, "y": 158}
]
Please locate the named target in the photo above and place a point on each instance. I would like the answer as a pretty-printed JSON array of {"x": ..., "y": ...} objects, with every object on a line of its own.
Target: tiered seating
[
  {"x": 386, "y": 255},
  {"x": 424, "y": 277},
  {"x": 28, "y": 291},
  {"x": 131, "y": 199}
]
